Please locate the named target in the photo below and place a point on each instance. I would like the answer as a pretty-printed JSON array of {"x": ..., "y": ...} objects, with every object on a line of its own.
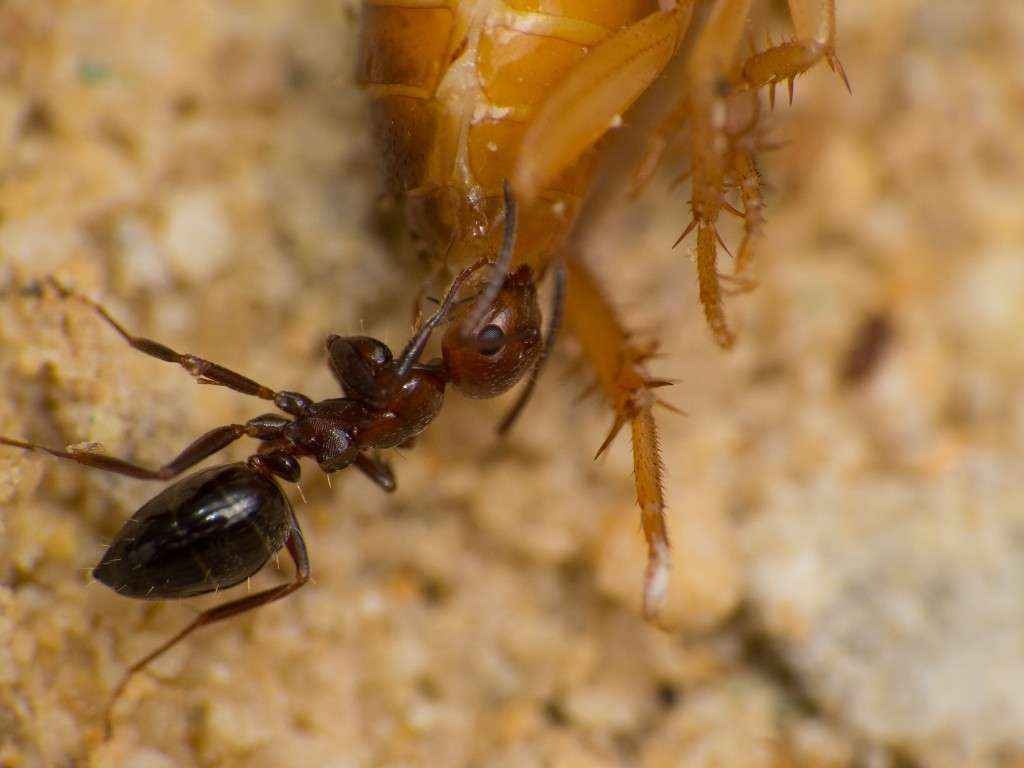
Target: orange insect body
[
  {"x": 455, "y": 86},
  {"x": 470, "y": 93}
]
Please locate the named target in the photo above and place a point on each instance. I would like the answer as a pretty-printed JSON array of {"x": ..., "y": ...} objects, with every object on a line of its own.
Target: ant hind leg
[{"x": 296, "y": 548}]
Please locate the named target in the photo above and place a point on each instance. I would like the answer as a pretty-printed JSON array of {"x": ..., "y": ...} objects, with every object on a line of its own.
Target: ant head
[{"x": 491, "y": 357}]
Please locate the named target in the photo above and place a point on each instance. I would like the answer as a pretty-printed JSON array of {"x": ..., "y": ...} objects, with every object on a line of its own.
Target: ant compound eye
[
  {"x": 380, "y": 354},
  {"x": 490, "y": 340}
]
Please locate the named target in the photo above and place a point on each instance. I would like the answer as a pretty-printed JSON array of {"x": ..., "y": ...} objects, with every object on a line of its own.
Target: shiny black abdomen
[{"x": 209, "y": 531}]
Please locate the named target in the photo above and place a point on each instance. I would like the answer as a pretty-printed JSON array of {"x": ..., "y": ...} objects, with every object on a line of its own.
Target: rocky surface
[{"x": 845, "y": 494}]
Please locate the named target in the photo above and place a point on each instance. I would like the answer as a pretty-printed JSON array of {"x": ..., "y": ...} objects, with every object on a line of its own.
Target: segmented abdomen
[{"x": 454, "y": 85}]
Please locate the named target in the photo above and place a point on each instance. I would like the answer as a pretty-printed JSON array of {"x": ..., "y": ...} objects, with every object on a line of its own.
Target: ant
[{"x": 217, "y": 527}]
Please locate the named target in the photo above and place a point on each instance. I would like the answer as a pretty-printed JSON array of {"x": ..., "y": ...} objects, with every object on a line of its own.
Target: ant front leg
[
  {"x": 626, "y": 386},
  {"x": 203, "y": 370},
  {"x": 296, "y": 548}
]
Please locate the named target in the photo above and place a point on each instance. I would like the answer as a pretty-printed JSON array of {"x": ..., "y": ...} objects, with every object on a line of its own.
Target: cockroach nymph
[{"x": 467, "y": 93}]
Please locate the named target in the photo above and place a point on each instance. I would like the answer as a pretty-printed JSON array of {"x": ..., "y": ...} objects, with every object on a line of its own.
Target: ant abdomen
[{"x": 209, "y": 531}]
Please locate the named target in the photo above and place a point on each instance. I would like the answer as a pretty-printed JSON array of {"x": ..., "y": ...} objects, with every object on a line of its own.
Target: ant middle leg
[
  {"x": 199, "y": 449},
  {"x": 205, "y": 371},
  {"x": 296, "y": 546}
]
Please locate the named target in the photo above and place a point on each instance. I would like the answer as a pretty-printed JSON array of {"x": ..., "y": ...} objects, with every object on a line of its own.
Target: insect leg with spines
[
  {"x": 623, "y": 66},
  {"x": 574, "y": 116},
  {"x": 624, "y": 382},
  {"x": 815, "y": 25},
  {"x": 714, "y": 94},
  {"x": 721, "y": 122}
]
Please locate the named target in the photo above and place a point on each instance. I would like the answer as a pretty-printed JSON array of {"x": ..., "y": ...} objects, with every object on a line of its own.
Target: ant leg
[
  {"x": 201, "y": 448},
  {"x": 378, "y": 470},
  {"x": 554, "y": 324},
  {"x": 623, "y": 379},
  {"x": 499, "y": 269},
  {"x": 296, "y": 548},
  {"x": 203, "y": 370}
]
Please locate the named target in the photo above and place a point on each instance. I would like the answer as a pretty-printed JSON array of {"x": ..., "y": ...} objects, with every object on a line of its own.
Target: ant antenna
[
  {"x": 411, "y": 354},
  {"x": 499, "y": 269},
  {"x": 554, "y": 324}
]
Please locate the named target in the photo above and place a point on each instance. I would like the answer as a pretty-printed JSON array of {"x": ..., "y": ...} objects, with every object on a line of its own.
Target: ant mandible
[{"x": 217, "y": 527}]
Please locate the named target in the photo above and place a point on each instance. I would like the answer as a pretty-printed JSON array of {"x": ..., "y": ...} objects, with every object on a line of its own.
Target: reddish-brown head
[{"x": 488, "y": 359}]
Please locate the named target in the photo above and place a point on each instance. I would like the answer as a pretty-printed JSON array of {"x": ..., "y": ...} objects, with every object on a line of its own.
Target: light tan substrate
[{"x": 204, "y": 168}]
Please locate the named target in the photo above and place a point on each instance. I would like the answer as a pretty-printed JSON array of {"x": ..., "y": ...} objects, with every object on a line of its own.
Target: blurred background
[{"x": 845, "y": 493}]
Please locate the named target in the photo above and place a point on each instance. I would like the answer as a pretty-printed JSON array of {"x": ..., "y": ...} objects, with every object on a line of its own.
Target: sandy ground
[{"x": 845, "y": 493}]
